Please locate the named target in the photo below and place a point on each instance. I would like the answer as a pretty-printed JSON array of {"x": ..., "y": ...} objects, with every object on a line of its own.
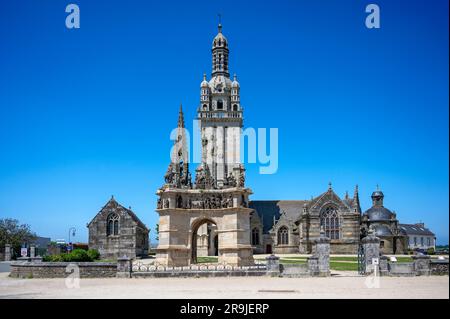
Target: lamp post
[{"x": 72, "y": 231}]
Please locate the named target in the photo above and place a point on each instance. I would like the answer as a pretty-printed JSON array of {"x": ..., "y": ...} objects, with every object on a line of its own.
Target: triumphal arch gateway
[{"x": 218, "y": 197}]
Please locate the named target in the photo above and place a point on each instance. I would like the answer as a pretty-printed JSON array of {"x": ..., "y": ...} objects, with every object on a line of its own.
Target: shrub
[
  {"x": 75, "y": 255},
  {"x": 430, "y": 251},
  {"x": 53, "y": 258},
  {"x": 78, "y": 255},
  {"x": 93, "y": 254}
]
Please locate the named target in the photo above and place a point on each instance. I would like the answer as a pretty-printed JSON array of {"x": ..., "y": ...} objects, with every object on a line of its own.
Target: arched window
[
  {"x": 255, "y": 236},
  {"x": 235, "y": 107},
  {"x": 205, "y": 107},
  {"x": 112, "y": 226},
  {"x": 283, "y": 236},
  {"x": 329, "y": 219},
  {"x": 220, "y": 105}
]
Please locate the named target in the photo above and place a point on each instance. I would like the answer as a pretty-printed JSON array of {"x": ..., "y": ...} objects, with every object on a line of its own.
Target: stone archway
[
  {"x": 226, "y": 208},
  {"x": 194, "y": 236}
]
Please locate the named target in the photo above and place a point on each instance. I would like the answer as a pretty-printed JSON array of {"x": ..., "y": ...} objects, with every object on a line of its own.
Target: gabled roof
[
  {"x": 292, "y": 209},
  {"x": 113, "y": 204},
  {"x": 413, "y": 229},
  {"x": 268, "y": 209}
]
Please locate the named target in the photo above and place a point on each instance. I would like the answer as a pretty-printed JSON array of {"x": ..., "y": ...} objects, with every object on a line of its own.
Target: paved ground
[{"x": 340, "y": 285}]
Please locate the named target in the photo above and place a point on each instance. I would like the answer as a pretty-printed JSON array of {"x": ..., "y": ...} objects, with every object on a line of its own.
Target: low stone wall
[
  {"x": 26, "y": 269},
  {"x": 439, "y": 267},
  {"x": 401, "y": 269},
  {"x": 422, "y": 265},
  {"x": 294, "y": 270}
]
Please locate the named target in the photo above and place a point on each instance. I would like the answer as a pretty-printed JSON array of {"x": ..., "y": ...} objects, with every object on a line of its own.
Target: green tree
[{"x": 15, "y": 234}]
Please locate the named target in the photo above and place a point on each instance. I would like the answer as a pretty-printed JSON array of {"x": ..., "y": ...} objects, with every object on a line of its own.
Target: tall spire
[
  {"x": 219, "y": 26},
  {"x": 356, "y": 205},
  {"x": 181, "y": 117}
]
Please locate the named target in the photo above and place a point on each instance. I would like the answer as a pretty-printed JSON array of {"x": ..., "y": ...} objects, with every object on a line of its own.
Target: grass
[
  {"x": 296, "y": 261},
  {"x": 343, "y": 266},
  {"x": 105, "y": 260},
  {"x": 403, "y": 259},
  {"x": 203, "y": 260},
  {"x": 336, "y": 263},
  {"x": 355, "y": 259}
]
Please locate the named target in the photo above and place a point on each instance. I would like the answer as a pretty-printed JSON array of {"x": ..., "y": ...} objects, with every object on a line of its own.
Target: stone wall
[
  {"x": 26, "y": 269},
  {"x": 401, "y": 269},
  {"x": 439, "y": 267},
  {"x": 294, "y": 270}
]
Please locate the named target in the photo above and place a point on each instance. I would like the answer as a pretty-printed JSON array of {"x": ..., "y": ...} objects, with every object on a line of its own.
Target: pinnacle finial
[
  {"x": 181, "y": 117},
  {"x": 204, "y": 76},
  {"x": 378, "y": 187},
  {"x": 220, "y": 23},
  {"x": 329, "y": 186}
]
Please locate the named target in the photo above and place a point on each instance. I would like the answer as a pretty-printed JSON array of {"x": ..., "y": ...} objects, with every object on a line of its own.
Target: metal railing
[{"x": 213, "y": 267}]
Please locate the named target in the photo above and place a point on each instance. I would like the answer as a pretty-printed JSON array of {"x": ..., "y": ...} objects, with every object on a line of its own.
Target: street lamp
[{"x": 71, "y": 231}]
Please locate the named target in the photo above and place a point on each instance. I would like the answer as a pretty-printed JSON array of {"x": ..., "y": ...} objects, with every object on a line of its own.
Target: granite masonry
[{"x": 116, "y": 232}]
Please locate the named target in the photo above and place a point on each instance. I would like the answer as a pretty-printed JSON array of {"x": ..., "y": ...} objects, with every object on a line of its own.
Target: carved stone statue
[
  {"x": 159, "y": 204},
  {"x": 203, "y": 178},
  {"x": 230, "y": 180},
  {"x": 241, "y": 181},
  {"x": 168, "y": 177}
]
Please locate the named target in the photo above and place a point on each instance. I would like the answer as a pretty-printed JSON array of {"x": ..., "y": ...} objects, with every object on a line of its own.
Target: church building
[
  {"x": 116, "y": 231},
  {"x": 292, "y": 226}
]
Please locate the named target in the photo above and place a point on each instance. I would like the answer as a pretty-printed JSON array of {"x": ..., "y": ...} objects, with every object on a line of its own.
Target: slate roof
[
  {"x": 267, "y": 209},
  {"x": 112, "y": 203},
  {"x": 413, "y": 229}
]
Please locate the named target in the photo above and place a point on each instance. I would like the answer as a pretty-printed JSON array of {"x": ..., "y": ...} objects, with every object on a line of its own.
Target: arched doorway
[{"x": 196, "y": 239}]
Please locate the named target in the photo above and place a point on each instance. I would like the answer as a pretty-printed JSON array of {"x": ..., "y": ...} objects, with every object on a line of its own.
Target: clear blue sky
[{"x": 87, "y": 113}]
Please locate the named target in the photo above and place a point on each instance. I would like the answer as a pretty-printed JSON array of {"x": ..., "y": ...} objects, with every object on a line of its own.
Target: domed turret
[
  {"x": 377, "y": 198},
  {"x": 220, "y": 41},
  {"x": 235, "y": 83},
  {"x": 220, "y": 54},
  {"x": 378, "y": 212},
  {"x": 204, "y": 83}
]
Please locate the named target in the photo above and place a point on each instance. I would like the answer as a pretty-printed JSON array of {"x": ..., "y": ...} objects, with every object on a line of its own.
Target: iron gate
[{"x": 361, "y": 260}]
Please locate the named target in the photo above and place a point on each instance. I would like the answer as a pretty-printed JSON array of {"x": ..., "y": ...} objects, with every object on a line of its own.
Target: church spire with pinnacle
[
  {"x": 356, "y": 205},
  {"x": 181, "y": 117}
]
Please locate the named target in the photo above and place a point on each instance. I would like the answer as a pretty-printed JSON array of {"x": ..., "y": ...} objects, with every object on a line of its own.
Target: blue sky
[{"x": 87, "y": 113}]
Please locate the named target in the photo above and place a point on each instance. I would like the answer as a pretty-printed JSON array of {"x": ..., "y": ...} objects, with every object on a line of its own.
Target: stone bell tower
[
  {"x": 219, "y": 196},
  {"x": 220, "y": 116}
]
